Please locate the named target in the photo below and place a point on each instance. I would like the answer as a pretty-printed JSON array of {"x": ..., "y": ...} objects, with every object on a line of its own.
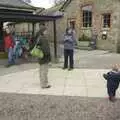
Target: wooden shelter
[{"x": 22, "y": 12}]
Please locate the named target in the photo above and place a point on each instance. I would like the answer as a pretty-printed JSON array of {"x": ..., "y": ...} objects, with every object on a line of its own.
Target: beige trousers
[{"x": 43, "y": 75}]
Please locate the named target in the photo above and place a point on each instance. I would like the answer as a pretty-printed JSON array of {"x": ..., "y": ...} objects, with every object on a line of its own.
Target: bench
[{"x": 83, "y": 45}]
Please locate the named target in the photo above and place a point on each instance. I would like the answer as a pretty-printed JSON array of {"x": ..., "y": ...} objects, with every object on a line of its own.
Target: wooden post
[
  {"x": 55, "y": 40},
  {"x": 1, "y": 37},
  {"x": 33, "y": 29}
]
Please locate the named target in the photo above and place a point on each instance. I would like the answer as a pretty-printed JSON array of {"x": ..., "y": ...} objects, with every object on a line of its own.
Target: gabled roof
[
  {"x": 18, "y": 4},
  {"x": 57, "y": 9}
]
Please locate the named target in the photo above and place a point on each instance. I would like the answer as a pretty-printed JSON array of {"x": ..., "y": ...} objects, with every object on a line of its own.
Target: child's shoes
[{"x": 112, "y": 99}]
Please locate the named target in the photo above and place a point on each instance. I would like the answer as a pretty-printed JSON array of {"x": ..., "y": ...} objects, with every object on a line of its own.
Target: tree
[
  {"x": 56, "y": 2},
  {"x": 27, "y": 1}
]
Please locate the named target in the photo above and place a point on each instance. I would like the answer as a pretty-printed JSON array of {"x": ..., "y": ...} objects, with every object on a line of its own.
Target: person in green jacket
[{"x": 44, "y": 45}]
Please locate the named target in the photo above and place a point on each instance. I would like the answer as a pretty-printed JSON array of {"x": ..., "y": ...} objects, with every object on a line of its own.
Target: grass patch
[{"x": 3, "y": 55}]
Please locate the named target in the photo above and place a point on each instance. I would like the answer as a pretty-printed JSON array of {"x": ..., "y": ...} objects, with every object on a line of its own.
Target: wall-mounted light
[{"x": 104, "y": 35}]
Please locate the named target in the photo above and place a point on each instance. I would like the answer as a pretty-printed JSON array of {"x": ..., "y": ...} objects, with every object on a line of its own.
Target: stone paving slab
[{"x": 79, "y": 82}]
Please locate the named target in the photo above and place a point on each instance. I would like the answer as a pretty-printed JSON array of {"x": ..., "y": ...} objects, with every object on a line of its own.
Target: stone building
[{"x": 86, "y": 15}]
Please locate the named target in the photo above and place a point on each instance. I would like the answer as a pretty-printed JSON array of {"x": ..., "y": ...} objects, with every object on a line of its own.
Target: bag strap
[{"x": 37, "y": 42}]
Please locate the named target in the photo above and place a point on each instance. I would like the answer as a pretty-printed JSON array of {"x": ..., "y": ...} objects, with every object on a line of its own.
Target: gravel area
[{"x": 40, "y": 107}]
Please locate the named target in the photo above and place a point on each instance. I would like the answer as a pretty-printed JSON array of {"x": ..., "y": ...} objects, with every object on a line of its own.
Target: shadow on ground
[{"x": 22, "y": 65}]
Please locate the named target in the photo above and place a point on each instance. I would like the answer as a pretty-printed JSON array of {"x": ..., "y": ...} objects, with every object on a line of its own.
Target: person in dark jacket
[
  {"x": 44, "y": 45},
  {"x": 113, "y": 80},
  {"x": 69, "y": 44}
]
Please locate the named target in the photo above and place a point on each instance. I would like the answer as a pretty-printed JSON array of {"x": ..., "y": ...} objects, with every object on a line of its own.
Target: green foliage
[
  {"x": 84, "y": 38},
  {"x": 3, "y": 55}
]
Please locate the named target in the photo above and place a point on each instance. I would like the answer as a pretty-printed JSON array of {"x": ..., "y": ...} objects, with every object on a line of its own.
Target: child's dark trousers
[{"x": 113, "y": 80}]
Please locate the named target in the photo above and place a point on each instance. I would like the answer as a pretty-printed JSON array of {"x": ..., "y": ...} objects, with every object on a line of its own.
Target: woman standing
[
  {"x": 44, "y": 45},
  {"x": 69, "y": 43}
]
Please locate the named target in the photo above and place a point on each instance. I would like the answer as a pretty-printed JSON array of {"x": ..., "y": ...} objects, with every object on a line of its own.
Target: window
[
  {"x": 87, "y": 16},
  {"x": 106, "y": 20}
]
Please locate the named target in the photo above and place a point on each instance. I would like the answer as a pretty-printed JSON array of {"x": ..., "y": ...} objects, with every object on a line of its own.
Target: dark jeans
[
  {"x": 113, "y": 83},
  {"x": 68, "y": 54},
  {"x": 11, "y": 59}
]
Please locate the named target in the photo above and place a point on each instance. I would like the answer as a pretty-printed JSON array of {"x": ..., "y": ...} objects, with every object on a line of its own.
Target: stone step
[{"x": 83, "y": 48}]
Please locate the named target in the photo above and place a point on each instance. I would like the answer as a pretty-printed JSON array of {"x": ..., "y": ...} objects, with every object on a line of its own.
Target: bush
[{"x": 84, "y": 38}]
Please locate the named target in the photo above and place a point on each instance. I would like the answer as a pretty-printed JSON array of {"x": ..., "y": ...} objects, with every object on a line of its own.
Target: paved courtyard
[
  {"x": 85, "y": 80},
  {"x": 95, "y": 59},
  {"x": 78, "y": 94},
  {"x": 79, "y": 82}
]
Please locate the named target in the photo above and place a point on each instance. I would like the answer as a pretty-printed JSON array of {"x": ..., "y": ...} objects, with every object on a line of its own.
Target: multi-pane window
[
  {"x": 87, "y": 16},
  {"x": 106, "y": 20}
]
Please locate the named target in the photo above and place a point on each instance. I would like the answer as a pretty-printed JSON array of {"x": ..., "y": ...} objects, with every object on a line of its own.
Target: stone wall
[
  {"x": 107, "y": 6},
  {"x": 74, "y": 11}
]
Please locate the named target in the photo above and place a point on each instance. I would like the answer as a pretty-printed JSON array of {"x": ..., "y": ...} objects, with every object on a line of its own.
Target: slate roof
[{"x": 16, "y": 4}]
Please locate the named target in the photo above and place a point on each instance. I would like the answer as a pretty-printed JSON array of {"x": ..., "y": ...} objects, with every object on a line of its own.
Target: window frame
[
  {"x": 87, "y": 18},
  {"x": 88, "y": 7},
  {"x": 105, "y": 20}
]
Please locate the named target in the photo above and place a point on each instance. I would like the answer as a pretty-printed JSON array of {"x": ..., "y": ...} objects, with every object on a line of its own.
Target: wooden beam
[
  {"x": 1, "y": 37},
  {"x": 25, "y": 17},
  {"x": 55, "y": 39},
  {"x": 33, "y": 29}
]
